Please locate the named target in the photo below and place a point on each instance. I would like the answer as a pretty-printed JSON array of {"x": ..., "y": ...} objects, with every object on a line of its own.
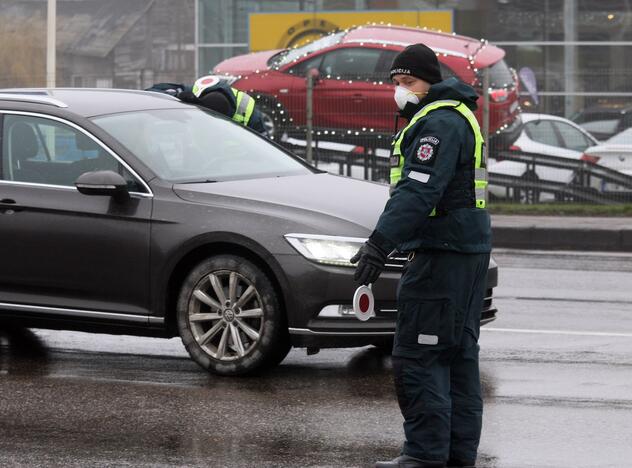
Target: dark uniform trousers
[{"x": 435, "y": 354}]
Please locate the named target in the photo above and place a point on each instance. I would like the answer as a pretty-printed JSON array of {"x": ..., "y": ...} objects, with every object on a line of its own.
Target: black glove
[{"x": 370, "y": 259}]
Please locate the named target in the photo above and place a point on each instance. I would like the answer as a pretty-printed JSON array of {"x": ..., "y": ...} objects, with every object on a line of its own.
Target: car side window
[
  {"x": 384, "y": 65},
  {"x": 300, "y": 69},
  {"x": 46, "y": 151},
  {"x": 541, "y": 131},
  {"x": 447, "y": 72},
  {"x": 572, "y": 138},
  {"x": 358, "y": 64}
]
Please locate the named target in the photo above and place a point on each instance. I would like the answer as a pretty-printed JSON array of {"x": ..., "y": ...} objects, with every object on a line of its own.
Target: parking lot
[{"x": 556, "y": 369}]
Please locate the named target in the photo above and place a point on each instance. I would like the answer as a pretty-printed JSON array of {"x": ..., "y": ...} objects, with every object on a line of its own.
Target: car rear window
[{"x": 500, "y": 75}]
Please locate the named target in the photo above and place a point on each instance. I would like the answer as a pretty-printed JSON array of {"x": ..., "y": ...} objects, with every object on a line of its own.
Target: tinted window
[
  {"x": 384, "y": 65},
  {"x": 542, "y": 131},
  {"x": 351, "y": 64},
  {"x": 571, "y": 137},
  {"x": 447, "y": 72},
  {"x": 301, "y": 68},
  {"x": 189, "y": 145},
  {"x": 500, "y": 75},
  {"x": 45, "y": 151}
]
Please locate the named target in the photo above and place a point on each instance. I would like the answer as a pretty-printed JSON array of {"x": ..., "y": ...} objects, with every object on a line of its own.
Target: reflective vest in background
[
  {"x": 244, "y": 107},
  {"x": 243, "y": 103},
  {"x": 480, "y": 174}
]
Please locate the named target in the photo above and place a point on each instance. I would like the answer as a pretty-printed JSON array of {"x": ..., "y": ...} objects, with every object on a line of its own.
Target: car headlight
[{"x": 330, "y": 250}]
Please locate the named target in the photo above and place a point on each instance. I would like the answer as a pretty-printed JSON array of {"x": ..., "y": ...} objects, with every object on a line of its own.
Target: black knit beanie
[{"x": 417, "y": 60}]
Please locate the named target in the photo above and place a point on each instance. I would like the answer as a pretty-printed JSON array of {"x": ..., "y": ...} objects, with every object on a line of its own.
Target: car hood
[
  {"x": 245, "y": 64},
  {"x": 326, "y": 203}
]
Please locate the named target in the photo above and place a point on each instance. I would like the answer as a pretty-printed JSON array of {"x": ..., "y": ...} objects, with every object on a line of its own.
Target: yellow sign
[{"x": 283, "y": 30}]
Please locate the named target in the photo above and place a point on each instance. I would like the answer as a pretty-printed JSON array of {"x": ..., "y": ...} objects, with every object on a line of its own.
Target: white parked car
[
  {"x": 548, "y": 135},
  {"x": 615, "y": 153}
]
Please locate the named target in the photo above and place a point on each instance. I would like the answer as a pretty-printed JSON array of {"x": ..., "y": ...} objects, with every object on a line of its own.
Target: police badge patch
[
  {"x": 425, "y": 152},
  {"x": 427, "y": 148}
]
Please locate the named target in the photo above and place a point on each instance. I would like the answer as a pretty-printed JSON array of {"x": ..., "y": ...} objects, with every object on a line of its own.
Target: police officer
[
  {"x": 213, "y": 93},
  {"x": 437, "y": 213}
]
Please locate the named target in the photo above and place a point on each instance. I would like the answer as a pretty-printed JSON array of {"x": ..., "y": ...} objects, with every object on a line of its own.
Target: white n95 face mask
[{"x": 404, "y": 96}]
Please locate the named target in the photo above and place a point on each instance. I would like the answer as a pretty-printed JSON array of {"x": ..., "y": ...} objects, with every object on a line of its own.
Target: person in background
[{"x": 213, "y": 93}]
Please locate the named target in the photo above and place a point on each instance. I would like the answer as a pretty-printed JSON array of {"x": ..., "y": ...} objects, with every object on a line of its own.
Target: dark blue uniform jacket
[{"x": 439, "y": 150}]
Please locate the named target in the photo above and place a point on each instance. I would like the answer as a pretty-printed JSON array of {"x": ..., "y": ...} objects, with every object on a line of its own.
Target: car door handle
[{"x": 9, "y": 206}]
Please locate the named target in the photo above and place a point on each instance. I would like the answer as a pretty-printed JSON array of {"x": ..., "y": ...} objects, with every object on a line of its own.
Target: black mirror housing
[{"x": 104, "y": 183}]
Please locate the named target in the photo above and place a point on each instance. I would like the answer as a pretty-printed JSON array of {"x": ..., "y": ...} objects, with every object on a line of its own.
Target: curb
[{"x": 549, "y": 238}]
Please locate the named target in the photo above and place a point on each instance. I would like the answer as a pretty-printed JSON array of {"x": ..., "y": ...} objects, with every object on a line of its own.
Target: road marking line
[{"x": 556, "y": 332}]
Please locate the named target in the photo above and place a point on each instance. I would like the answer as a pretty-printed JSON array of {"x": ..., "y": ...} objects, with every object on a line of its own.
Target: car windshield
[
  {"x": 191, "y": 145},
  {"x": 623, "y": 138},
  {"x": 290, "y": 55}
]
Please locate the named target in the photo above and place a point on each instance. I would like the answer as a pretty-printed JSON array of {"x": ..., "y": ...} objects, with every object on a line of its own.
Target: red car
[{"x": 353, "y": 96}]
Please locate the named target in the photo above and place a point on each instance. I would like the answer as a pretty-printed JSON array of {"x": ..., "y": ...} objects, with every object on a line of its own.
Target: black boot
[
  {"x": 404, "y": 461},
  {"x": 456, "y": 463}
]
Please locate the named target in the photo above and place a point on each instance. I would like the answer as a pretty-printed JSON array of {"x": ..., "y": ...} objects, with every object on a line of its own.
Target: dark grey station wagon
[{"x": 130, "y": 212}]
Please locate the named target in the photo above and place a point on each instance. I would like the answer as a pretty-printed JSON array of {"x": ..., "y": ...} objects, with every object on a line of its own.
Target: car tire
[
  {"x": 229, "y": 317},
  {"x": 274, "y": 117}
]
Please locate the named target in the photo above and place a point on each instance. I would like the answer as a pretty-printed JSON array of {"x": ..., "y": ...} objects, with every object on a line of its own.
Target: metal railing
[{"x": 587, "y": 183}]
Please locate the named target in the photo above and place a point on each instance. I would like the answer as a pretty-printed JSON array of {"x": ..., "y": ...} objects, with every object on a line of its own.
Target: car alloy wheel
[
  {"x": 225, "y": 315},
  {"x": 230, "y": 318}
]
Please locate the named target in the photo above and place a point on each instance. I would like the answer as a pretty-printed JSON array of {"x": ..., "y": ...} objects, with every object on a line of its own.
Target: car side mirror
[{"x": 105, "y": 183}]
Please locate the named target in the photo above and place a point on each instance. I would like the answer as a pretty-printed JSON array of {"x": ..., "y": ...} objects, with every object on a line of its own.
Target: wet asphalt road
[{"x": 556, "y": 368}]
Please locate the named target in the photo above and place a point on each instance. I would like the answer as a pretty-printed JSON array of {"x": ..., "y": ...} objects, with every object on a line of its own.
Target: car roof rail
[{"x": 36, "y": 97}]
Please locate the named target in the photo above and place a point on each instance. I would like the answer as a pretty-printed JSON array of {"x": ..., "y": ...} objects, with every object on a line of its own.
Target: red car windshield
[{"x": 290, "y": 55}]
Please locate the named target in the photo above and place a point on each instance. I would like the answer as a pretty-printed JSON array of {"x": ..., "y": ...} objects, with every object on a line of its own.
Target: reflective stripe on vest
[
  {"x": 244, "y": 107},
  {"x": 480, "y": 174}
]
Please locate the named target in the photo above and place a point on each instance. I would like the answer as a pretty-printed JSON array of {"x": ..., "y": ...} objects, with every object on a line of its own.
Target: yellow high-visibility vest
[
  {"x": 244, "y": 107},
  {"x": 480, "y": 173}
]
